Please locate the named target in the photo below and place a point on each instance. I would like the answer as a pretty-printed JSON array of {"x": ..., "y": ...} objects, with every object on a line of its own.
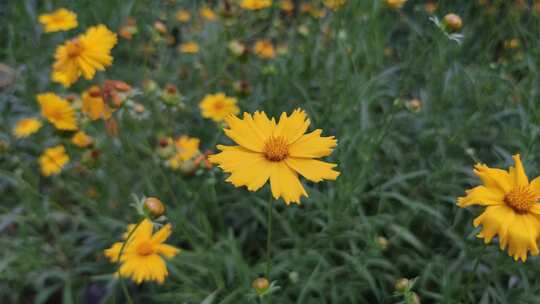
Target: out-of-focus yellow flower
[
  {"x": 160, "y": 27},
  {"x": 26, "y": 127},
  {"x": 334, "y": 4},
  {"x": 275, "y": 152},
  {"x": 186, "y": 149},
  {"x": 312, "y": 10},
  {"x": 255, "y": 4},
  {"x": 237, "y": 47},
  {"x": 93, "y": 104},
  {"x": 395, "y": 4},
  {"x": 430, "y": 7},
  {"x": 218, "y": 106},
  {"x": 81, "y": 139},
  {"x": 512, "y": 44},
  {"x": 512, "y": 211},
  {"x": 53, "y": 160},
  {"x": 287, "y": 6},
  {"x": 84, "y": 55},
  {"x": 264, "y": 49},
  {"x": 453, "y": 21},
  {"x": 183, "y": 16},
  {"x": 207, "y": 14},
  {"x": 59, "y": 20},
  {"x": 189, "y": 47},
  {"x": 57, "y": 111},
  {"x": 144, "y": 253}
]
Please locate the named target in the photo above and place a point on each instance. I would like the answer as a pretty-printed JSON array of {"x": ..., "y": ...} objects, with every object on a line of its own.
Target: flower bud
[
  {"x": 154, "y": 207},
  {"x": 415, "y": 299},
  {"x": 260, "y": 285},
  {"x": 402, "y": 285},
  {"x": 453, "y": 22},
  {"x": 382, "y": 242}
]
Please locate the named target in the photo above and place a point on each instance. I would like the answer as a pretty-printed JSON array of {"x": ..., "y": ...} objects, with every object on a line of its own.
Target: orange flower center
[
  {"x": 145, "y": 248},
  {"x": 521, "y": 199},
  {"x": 74, "y": 48},
  {"x": 219, "y": 105},
  {"x": 276, "y": 148}
]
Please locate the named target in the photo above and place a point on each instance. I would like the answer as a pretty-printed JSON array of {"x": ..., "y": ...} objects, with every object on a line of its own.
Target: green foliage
[{"x": 354, "y": 71}]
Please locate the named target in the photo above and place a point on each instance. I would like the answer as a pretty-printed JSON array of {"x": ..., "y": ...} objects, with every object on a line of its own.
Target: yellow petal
[
  {"x": 312, "y": 169},
  {"x": 285, "y": 183},
  {"x": 247, "y": 168},
  {"x": 494, "y": 179},
  {"x": 292, "y": 127},
  {"x": 144, "y": 231},
  {"x": 481, "y": 195},
  {"x": 113, "y": 253},
  {"x": 244, "y": 132},
  {"x": 265, "y": 125},
  {"x": 312, "y": 145},
  {"x": 167, "y": 250},
  {"x": 162, "y": 235},
  {"x": 535, "y": 185},
  {"x": 520, "y": 178}
]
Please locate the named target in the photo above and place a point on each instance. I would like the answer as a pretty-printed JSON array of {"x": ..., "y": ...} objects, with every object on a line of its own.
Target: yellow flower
[
  {"x": 512, "y": 209},
  {"x": 59, "y": 20},
  {"x": 144, "y": 253},
  {"x": 208, "y": 14},
  {"x": 81, "y": 139},
  {"x": 84, "y": 55},
  {"x": 255, "y": 4},
  {"x": 186, "y": 149},
  {"x": 26, "y": 127},
  {"x": 93, "y": 104},
  {"x": 264, "y": 49},
  {"x": 334, "y": 4},
  {"x": 189, "y": 47},
  {"x": 287, "y": 6},
  {"x": 277, "y": 152},
  {"x": 395, "y": 4},
  {"x": 183, "y": 16},
  {"x": 57, "y": 111},
  {"x": 53, "y": 160},
  {"x": 218, "y": 106}
]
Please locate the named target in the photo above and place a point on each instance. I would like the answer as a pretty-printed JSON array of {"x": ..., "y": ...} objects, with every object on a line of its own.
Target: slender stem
[
  {"x": 124, "y": 287},
  {"x": 269, "y": 240}
]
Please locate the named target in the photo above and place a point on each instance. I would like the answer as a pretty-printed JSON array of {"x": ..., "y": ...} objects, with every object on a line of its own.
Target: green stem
[{"x": 124, "y": 287}]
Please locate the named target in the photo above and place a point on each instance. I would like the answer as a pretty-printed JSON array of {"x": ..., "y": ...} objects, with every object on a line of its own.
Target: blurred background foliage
[{"x": 412, "y": 110}]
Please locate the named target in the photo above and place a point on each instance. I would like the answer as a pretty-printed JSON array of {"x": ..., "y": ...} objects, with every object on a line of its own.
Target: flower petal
[
  {"x": 494, "y": 179},
  {"x": 519, "y": 176},
  {"x": 312, "y": 169},
  {"x": 285, "y": 183},
  {"x": 167, "y": 250},
  {"x": 265, "y": 125},
  {"x": 143, "y": 232},
  {"x": 292, "y": 127},
  {"x": 162, "y": 235},
  {"x": 244, "y": 132},
  {"x": 481, "y": 195},
  {"x": 312, "y": 145}
]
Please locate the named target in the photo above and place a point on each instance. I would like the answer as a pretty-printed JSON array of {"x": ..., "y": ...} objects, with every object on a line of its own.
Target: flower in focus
[
  {"x": 395, "y": 4},
  {"x": 183, "y": 16},
  {"x": 57, "y": 111},
  {"x": 53, "y": 160},
  {"x": 143, "y": 256},
  {"x": 512, "y": 210},
  {"x": 81, "y": 139},
  {"x": 59, "y": 20},
  {"x": 264, "y": 49},
  {"x": 26, "y": 127},
  {"x": 218, "y": 106},
  {"x": 453, "y": 22},
  {"x": 207, "y": 14},
  {"x": 277, "y": 152},
  {"x": 334, "y": 4},
  {"x": 255, "y": 4},
  {"x": 189, "y": 47},
  {"x": 93, "y": 104},
  {"x": 84, "y": 55}
]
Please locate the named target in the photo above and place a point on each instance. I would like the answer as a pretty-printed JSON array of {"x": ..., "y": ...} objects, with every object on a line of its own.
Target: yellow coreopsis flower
[
  {"x": 512, "y": 209},
  {"x": 186, "y": 149},
  {"x": 53, "y": 160},
  {"x": 143, "y": 256},
  {"x": 93, "y": 104},
  {"x": 218, "y": 106},
  {"x": 208, "y": 14},
  {"x": 264, "y": 49},
  {"x": 57, "y": 111},
  {"x": 84, "y": 55},
  {"x": 395, "y": 4},
  {"x": 255, "y": 4},
  {"x": 59, "y": 20},
  {"x": 189, "y": 47},
  {"x": 183, "y": 16},
  {"x": 26, "y": 127},
  {"x": 82, "y": 140},
  {"x": 277, "y": 152},
  {"x": 334, "y": 4}
]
